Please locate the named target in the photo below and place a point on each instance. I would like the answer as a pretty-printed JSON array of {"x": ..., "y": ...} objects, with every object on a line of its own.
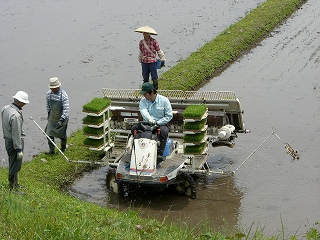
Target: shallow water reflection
[{"x": 217, "y": 204}]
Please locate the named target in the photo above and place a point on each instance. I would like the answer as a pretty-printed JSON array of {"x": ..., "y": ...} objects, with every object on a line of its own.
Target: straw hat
[
  {"x": 146, "y": 29},
  {"x": 54, "y": 82}
]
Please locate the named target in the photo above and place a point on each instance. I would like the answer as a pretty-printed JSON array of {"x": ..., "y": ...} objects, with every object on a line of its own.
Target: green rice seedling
[
  {"x": 194, "y": 138},
  {"x": 196, "y": 149},
  {"x": 96, "y": 105},
  {"x": 93, "y": 142},
  {"x": 92, "y": 120},
  {"x": 92, "y": 131},
  {"x": 194, "y": 111},
  {"x": 95, "y": 120},
  {"x": 196, "y": 126}
]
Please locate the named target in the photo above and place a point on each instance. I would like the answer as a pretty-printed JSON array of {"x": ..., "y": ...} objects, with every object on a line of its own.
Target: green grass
[{"x": 47, "y": 212}]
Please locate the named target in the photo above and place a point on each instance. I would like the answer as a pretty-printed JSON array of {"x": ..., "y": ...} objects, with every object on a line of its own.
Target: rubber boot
[
  {"x": 163, "y": 143},
  {"x": 15, "y": 181},
  {"x": 160, "y": 151},
  {"x": 63, "y": 144},
  {"x": 16, "y": 185},
  {"x": 155, "y": 84},
  {"x": 51, "y": 146},
  {"x": 11, "y": 182},
  {"x": 159, "y": 156}
]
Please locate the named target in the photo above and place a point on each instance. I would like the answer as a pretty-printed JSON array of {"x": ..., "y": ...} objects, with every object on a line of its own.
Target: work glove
[
  {"x": 161, "y": 56},
  {"x": 140, "y": 57},
  {"x": 152, "y": 121},
  {"x": 59, "y": 124},
  {"x": 19, "y": 154}
]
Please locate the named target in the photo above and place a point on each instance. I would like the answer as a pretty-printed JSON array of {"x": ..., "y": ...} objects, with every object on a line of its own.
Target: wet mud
[{"x": 91, "y": 45}]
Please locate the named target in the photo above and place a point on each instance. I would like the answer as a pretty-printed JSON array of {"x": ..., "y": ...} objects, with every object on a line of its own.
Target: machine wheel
[
  {"x": 185, "y": 184},
  {"x": 111, "y": 182}
]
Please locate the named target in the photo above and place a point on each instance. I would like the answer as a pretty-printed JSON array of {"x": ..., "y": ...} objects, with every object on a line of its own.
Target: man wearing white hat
[
  {"x": 58, "y": 114},
  {"x": 13, "y": 133}
]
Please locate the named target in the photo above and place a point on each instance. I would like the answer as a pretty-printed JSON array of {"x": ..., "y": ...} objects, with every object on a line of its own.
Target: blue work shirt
[{"x": 160, "y": 109}]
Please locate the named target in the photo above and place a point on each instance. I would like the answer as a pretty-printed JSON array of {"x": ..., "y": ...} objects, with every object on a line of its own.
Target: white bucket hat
[
  {"x": 54, "y": 82},
  {"x": 21, "y": 97}
]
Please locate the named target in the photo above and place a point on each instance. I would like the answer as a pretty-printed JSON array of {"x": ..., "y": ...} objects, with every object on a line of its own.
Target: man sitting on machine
[{"x": 155, "y": 109}]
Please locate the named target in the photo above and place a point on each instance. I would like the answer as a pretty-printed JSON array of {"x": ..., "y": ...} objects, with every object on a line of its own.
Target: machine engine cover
[{"x": 143, "y": 157}]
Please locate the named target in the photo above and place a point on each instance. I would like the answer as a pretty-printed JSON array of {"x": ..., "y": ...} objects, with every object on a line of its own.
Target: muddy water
[
  {"x": 217, "y": 203},
  {"x": 91, "y": 44},
  {"x": 279, "y": 85}
]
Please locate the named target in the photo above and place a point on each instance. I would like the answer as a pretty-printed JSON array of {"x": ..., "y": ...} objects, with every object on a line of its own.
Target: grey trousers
[{"x": 14, "y": 163}]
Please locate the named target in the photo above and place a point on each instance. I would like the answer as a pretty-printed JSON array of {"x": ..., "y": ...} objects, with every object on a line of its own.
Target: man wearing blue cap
[{"x": 155, "y": 109}]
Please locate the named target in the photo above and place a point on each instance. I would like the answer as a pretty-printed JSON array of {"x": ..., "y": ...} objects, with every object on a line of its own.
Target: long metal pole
[
  {"x": 254, "y": 151},
  {"x": 290, "y": 150},
  {"x": 50, "y": 139},
  {"x": 73, "y": 161}
]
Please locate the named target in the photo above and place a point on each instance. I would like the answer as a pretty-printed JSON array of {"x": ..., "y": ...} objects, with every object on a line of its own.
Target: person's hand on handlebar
[{"x": 152, "y": 121}]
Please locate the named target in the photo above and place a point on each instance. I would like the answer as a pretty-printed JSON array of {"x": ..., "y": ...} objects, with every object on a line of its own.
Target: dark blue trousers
[{"x": 150, "y": 69}]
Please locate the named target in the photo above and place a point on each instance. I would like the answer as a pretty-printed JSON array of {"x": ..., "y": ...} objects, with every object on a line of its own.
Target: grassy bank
[
  {"x": 47, "y": 212},
  {"x": 216, "y": 55}
]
